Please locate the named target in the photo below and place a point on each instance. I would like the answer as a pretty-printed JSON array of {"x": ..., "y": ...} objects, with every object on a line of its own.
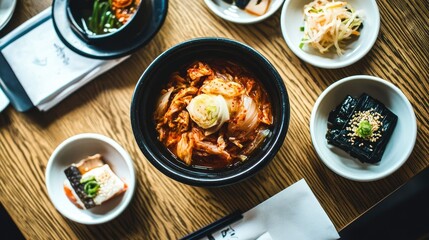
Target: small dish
[
  {"x": 78, "y": 147},
  {"x": 399, "y": 146},
  {"x": 7, "y": 7},
  {"x": 292, "y": 19},
  {"x": 76, "y": 11},
  {"x": 236, "y": 15},
  {"x": 156, "y": 12}
]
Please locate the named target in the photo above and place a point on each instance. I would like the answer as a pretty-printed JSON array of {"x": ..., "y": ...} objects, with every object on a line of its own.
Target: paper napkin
[
  {"x": 294, "y": 214},
  {"x": 4, "y": 101},
  {"x": 48, "y": 70}
]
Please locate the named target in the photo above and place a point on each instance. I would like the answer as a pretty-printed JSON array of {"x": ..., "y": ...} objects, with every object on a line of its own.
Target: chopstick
[{"x": 217, "y": 225}]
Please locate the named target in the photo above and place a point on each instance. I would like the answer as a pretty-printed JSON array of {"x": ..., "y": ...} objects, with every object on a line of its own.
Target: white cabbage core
[{"x": 209, "y": 112}]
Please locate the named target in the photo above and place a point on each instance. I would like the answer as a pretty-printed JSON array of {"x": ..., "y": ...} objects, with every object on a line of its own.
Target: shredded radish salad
[{"x": 328, "y": 24}]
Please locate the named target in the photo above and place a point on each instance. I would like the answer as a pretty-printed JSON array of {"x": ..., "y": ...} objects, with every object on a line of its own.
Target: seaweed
[
  {"x": 242, "y": 3},
  {"x": 338, "y": 117},
  {"x": 341, "y": 133}
]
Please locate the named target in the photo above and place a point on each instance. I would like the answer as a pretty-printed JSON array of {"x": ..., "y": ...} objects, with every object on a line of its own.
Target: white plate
[
  {"x": 292, "y": 19},
  {"x": 7, "y": 7},
  {"x": 399, "y": 146},
  {"x": 237, "y": 15},
  {"x": 71, "y": 151}
]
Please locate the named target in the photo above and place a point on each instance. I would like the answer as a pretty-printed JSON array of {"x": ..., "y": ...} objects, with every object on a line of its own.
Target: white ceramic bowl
[
  {"x": 292, "y": 19},
  {"x": 236, "y": 15},
  {"x": 7, "y": 7},
  {"x": 71, "y": 151},
  {"x": 399, "y": 146}
]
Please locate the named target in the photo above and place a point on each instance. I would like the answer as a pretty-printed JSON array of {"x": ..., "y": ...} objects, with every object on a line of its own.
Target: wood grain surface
[{"x": 165, "y": 209}]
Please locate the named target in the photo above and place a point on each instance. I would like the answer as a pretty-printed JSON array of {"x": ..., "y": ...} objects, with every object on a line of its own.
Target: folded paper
[
  {"x": 47, "y": 70},
  {"x": 294, "y": 213}
]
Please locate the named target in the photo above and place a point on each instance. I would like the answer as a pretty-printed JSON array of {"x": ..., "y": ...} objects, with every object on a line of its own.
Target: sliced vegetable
[
  {"x": 90, "y": 186},
  {"x": 328, "y": 24},
  {"x": 109, "y": 15}
]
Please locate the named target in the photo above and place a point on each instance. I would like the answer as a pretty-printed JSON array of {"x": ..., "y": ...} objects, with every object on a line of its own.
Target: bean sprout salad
[{"x": 329, "y": 24}]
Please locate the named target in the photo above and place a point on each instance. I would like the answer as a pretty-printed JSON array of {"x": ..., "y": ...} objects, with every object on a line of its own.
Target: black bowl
[
  {"x": 155, "y": 77},
  {"x": 155, "y": 15},
  {"x": 79, "y": 9}
]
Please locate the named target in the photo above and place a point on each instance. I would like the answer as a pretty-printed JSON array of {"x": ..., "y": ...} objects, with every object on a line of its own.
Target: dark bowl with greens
[{"x": 104, "y": 22}]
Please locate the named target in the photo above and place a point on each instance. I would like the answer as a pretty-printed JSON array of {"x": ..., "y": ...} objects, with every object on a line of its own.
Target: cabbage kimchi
[{"x": 213, "y": 114}]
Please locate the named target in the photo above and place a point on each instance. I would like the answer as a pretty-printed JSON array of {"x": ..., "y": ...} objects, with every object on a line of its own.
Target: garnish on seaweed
[
  {"x": 90, "y": 186},
  {"x": 362, "y": 127},
  {"x": 365, "y": 125}
]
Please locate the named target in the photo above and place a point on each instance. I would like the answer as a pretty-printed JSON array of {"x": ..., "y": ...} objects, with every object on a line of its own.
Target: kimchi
[{"x": 213, "y": 114}]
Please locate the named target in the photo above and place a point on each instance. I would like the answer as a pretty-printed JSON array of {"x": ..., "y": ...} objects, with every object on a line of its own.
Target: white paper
[
  {"x": 47, "y": 70},
  {"x": 43, "y": 64},
  {"x": 294, "y": 213},
  {"x": 25, "y": 25},
  {"x": 4, "y": 101},
  {"x": 265, "y": 236},
  {"x": 49, "y": 103}
]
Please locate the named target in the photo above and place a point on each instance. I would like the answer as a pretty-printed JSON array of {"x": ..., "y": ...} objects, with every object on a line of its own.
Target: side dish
[
  {"x": 213, "y": 114},
  {"x": 91, "y": 182},
  {"x": 255, "y": 7},
  {"x": 329, "y": 24},
  {"x": 362, "y": 127},
  {"x": 108, "y": 15}
]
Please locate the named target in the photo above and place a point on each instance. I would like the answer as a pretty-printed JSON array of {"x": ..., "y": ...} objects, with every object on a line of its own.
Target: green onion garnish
[{"x": 91, "y": 187}]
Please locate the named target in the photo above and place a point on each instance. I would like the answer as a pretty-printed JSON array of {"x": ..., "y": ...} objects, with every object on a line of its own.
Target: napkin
[
  {"x": 48, "y": 70},
  {"x": 294, "y": 213},
  {"x": 4, "y": 101}
]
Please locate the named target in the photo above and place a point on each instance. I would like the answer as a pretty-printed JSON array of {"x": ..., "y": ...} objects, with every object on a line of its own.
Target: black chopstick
[{"x": 215, "y": 226}]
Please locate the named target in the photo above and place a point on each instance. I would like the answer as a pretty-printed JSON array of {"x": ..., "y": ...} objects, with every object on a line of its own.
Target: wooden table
[{"x": 400, "y": 55}]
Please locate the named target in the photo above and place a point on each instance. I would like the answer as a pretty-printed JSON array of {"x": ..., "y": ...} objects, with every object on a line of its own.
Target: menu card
[
  {"x": 294, "y": 213},
  {"x": 47, "y": 70}
]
